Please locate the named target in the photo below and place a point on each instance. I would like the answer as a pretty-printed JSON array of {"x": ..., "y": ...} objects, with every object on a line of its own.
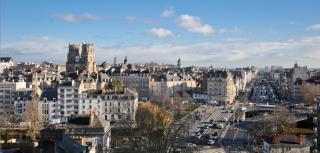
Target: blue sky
[{"x": 219, "y": 33}]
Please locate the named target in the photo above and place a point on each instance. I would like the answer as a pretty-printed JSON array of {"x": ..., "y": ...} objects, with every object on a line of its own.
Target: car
[
  {"x": 219, "y": 126},
  {"x": 210, "y": 142},
  {"x": 187, "y": 145},
  {"x": 215, "y": 134},
  {"x": 201, "y": 131},
  {"x": 214, "y": 125},
  {"x": 206, "y": 126},
  {"x": 226, "y": 119},
  {"x": 207, "y": 136},
  {"x": 198, "y": 136}
]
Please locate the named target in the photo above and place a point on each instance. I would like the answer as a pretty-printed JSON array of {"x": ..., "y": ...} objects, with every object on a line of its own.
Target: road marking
[{"x": 235, "y": 135}]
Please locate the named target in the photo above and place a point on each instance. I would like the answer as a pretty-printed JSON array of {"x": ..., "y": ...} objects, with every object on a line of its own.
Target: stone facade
[
  {"x": 117, "y": 107},
  {"x": 221, "y": 86},
  {"x": 81, "y": 60},
  {"x": 170, "y": 84},
  {"x": 135, "y": 81}
]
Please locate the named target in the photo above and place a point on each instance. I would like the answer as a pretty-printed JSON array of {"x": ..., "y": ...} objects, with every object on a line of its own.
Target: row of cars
[{"x": 209, "y": 138}]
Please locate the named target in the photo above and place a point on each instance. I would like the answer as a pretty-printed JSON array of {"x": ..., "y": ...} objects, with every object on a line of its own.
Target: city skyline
[{"x": 221, "y": 34}]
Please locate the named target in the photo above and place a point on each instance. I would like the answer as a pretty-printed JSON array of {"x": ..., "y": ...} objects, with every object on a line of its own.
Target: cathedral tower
[
  {"x": 88, "y": 58},
  {"x": 73, "y": 58},
  {"x": 81, "y": 59}
]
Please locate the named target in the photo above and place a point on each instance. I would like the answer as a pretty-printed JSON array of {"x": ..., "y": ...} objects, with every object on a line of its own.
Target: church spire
[
  {"x": 115, "y": 61},
  {"x": 296, "y": 64},
  {"x": 125, "y": 60},
  {"x": 179, "y": 63}
]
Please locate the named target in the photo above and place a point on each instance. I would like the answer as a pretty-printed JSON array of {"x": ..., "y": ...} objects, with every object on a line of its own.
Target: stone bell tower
[
  {"x": 73, "y": 58},
  {"x": 88, "y": 58}
]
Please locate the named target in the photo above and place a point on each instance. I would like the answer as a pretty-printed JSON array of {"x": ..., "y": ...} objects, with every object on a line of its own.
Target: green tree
[{"x": 117, "y": 85}]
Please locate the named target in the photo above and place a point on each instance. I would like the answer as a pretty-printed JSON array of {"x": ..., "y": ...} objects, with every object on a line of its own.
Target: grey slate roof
[{"x": 5, "y": 59}]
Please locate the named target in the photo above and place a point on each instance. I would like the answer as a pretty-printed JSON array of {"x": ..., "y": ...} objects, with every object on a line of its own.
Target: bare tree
[
  {"x": 155, "y": 130},
  {"x": 309, "y": 93},
  {"x": 276, "y": 124},
  {"x": 281, "y": 120},
  {"x": 2, "y": 121},
  {"x": 33, "y": 116}
]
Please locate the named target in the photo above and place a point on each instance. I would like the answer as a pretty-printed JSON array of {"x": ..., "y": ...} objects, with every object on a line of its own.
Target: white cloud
[
  {"x": 229, "y": 30},
  {"x": 311, "y": 40},
  {"x": 89, "y": 17},
  {"x": 72, "y": 18},
  {"x": 36, "y": 49},
  {"x": 168, "y": 12},
  {"x": 314, "y": 27},
  {"x": 130, "y": 18},
  {"x": 226, "y": 53},
  {"x": 160, "y": 32},
  {"x": 194, "y": 24},
  {"x": 234, "y": 39}
]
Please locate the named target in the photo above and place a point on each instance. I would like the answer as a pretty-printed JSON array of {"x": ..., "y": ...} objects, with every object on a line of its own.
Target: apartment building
[
  {"x": 8, "y": 89},
  {"x": 171, "y": 83},
  {"x": 116, "y": 107},
  {"x": 221, "y": 86},
  {"x": 68, "y": 100},
  {"x": 138, "y": 81}
]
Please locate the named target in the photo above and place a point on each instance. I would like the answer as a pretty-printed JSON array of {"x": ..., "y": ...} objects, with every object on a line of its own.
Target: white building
[
  {"x": 199, "y": 96},
  {"x": 44, "y": 80},
  {"x": 68, "y": 100},
  {"x": 170, "y": 84},
  {"x": 299, "y": 72},
  {"x": 138, "y": 81},
  {"x": 110, "y": 106},
  {"x": 118, "y": 107},
  {"x": 221, "y": 87},
  {"x": 7, "y": 95},
  {"x": 46, "y": 103},
  {"x": 5, "y": 63}
]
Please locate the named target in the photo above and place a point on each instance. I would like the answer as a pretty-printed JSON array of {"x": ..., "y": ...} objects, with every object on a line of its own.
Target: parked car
[
  {"x": 201, "y": 131},
  {"x": 207, "y": 136},
  {"x": 210, "y": 142},
  {"x": 219, "y": 126},
  {"x": 198, "y": 136},
  {"x": 186, "y": 145},
  {"x": 215, "y": 134},
  {"x": 206, "y": 126}
]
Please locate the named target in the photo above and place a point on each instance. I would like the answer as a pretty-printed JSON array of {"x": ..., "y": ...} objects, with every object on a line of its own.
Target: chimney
[
  {"x": 92, "y": 114},
  {"x": 276, "y": 138},
  {"x": 302, "y": 139}
]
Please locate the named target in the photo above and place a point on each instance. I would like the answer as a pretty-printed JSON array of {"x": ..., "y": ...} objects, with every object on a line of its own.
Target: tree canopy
[{"x": 151, "y": 117}]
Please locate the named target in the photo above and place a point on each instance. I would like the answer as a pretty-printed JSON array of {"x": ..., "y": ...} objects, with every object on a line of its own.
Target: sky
[{"x": 221, "y": 33}]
